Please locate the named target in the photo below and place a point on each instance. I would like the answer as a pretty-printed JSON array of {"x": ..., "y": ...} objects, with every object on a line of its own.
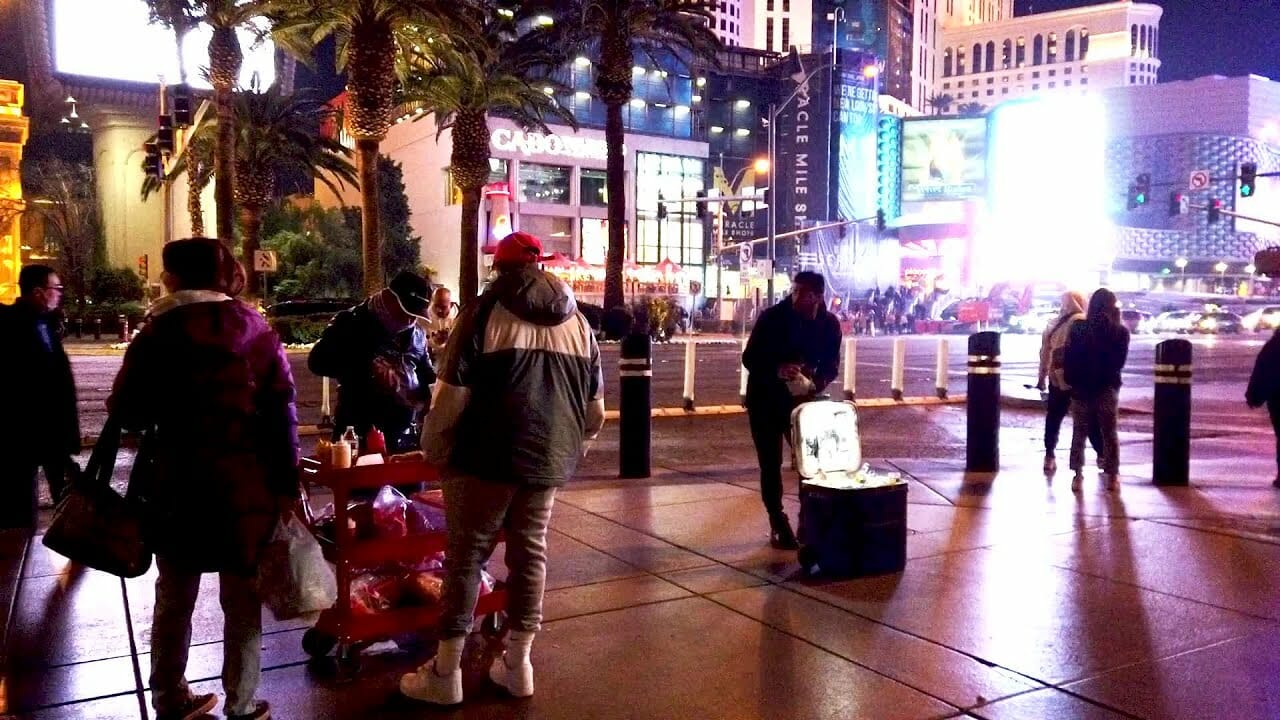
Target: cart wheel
[
  {"x": 317, "y": 643},
  {"x": 494, "y": 625},
  {"x": 807, "y": 557}
]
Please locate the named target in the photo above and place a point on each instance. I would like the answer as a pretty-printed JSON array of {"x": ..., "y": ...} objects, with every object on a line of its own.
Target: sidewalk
[{"x": 1020, "y": 600}]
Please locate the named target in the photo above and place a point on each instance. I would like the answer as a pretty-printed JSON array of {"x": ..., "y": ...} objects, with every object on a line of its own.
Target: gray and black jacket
[{"x": 519, "y": 387}]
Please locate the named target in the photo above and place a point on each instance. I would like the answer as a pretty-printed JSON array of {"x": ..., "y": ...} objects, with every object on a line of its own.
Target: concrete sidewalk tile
[
  {"x": 629, "y": 497},
  {"x": 939, "y": 671},
  {"x": 71, "y": 618},
  {"x": 1233, "y": 680},
  {"x": 635, "y": 548},
  {"x": 1214, "y": 569},
  {"x": 204, "y": 662},
  {"x": 937, "y": 530},
  {"x": 1045, "y": 622},
  {"x": 42, "y": 562},
  {"x": 612, "y": 595},
  {"x": 120, "y": 707},
  {"x": 1045, "y": 704},
  {"x": 571, "y": 563},
  {"x": 38, "y": 688},
  {"x": 712, "y": 578}
]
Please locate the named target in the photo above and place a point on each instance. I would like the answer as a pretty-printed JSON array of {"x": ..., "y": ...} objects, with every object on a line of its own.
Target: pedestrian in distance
[
  {"x": 439, "y": 322},
  {"x": 377, "y": 351},
  {"x": 520, "y": 395},
  {"x": 792, "y": 355},
  {"x": 1053, "y": 382},
  {"x": 1264, "y": 389},
  {"x": 1097, "y": 348},
  {"x": 39, "y": 421},
  {"x": 207, "y": 381}
]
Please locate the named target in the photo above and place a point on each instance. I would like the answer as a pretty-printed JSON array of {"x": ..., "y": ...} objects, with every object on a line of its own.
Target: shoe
[
  {"x": 518, "y": 681},
  {"x": 261, "y": 711},
  {"x": 780, "y": 535},
  {"x": 427, "y": 686},
  {"x": 1111, "y": 481},
  {"x": 1077, "y": 482},
  {"x": 1276, "y": 483},
  {"x": 195, "y": 706},
  {"x": 1050, "y": 465}
]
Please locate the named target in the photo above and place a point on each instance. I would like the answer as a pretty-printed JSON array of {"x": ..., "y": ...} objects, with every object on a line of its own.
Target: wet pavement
[{"x": 1019, "y": 599}]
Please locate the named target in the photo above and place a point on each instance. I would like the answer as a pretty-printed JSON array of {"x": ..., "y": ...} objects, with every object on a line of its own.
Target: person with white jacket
[
  {"x": 442, "y": 315},
  {"x": 1058, "y": 398}
]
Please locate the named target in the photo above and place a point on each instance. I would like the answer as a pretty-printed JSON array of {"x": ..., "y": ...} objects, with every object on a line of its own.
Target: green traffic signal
[
  {"x": 1140, "y": 198},
  {"x": 1248, "y": 178}
]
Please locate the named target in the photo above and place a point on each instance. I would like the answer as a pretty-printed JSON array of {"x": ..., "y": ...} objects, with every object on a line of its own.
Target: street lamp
[
  {"x": 1221, "y": 268},
  {"x": 835, "y": 18},
  {"x": 1181, "y": 264}
]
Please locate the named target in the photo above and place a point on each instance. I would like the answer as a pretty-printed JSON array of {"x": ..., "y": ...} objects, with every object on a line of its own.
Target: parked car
[
  {"x": 1262, "y": 319},
  {"x": 1137, "y": 321},
  {"x": 1217, "y": 321},
  {"x": 1176, "y": 321}
]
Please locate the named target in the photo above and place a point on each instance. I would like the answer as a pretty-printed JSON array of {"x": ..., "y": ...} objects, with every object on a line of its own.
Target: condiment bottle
[
  {"x": 349, "y": 437},
  {"x": 375, "y": 441},
  {"x": 341, "y": 455}
]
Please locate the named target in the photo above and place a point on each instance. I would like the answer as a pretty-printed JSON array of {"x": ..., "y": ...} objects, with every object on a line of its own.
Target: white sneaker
[
  {"x": 427, "y": 686},
  {"x": 1077, "y": 482},
  {"x": 516, "y": 680}
]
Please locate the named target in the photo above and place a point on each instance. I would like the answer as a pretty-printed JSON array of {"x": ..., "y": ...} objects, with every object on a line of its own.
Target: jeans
[
  {"x": 1096, "y": 411},
  {"x": 769, "y": 427},
  {"x": 475, "y": 510},
  {"x": 1273, "y": 409},
  {"x": 18, "y": 484},
  {"x": 176, "y": 593},
  {"x": 1057, "y": 406}
]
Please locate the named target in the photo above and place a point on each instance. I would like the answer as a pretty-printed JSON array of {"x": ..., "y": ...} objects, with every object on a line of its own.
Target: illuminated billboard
[
  {"x": 113, "y": 40},
  {"x": 944, "y": 159}
]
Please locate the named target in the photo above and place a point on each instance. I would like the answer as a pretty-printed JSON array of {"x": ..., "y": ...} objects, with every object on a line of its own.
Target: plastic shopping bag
[{"x": 293, "y": 577}]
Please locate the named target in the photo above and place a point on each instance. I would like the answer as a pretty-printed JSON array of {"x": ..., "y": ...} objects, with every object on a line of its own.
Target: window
[
  {"x": 1053, "y": 84},
  {"x": 786, "y": 34},
  {"x": 1070, "y": 54},
  {"x": 1021, "y": 58},
  {"x": 946, "y": 63},
  {"x": 591, "y": 188},
  {"x": 1133, "y": 40},
  {"x": 544, "y": 183},
  {"x": 768, "y": 31},
  {"x": 680, "y": 236},
  {"x": 1142, "y": 41},
  {"x": 555, "y": 232},
  {"x": 990, "y": 93},
  {"x": 990, "y": 63},
  {"x": 960, "y": 61},
  {"x": 1021, "y": 76},
  {"x": 1035, "y": 87},
  {"x": 1035, "y": 75},
  {"x": 991, "y": 81},
  {"x": 946, "y": 86},
  {"x": 1053, "y": 73},
  {"x": 1037, "y": 50},
  {"x": 975, "y": 93},
  {"x": 1084, "y": 43},
  {"x": 724, "y": 25},
  {"x": 1006, "y": 54},
  {"x": 1052, "y": 55},
  {"x": 977, "y": 57},
  {"x": 1066, "y": 71},
  {"x": 1132, "y": 80},
  {"x": 769, "y": 5},
  {"x": 1066, "y": 83},
  {"x": 786, "y": 5},
  {"x": 1004, "y": 91}
]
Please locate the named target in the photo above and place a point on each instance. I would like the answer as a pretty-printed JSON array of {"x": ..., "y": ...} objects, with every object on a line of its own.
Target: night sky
[{"x": 1205, "y": 37}]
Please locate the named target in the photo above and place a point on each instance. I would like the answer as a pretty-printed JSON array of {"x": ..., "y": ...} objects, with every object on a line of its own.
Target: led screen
[
  {"x": 944, "y": 159},
  {"x": 112, "y": 40}
]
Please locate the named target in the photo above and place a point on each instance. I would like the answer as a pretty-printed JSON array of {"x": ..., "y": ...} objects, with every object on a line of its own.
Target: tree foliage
[{"x": 61, "y": 197}]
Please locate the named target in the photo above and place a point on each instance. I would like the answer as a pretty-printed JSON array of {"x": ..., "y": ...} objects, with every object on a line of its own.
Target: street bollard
[
  {"x": 850, "y": 368},
  {"x": 97, "y": 328},
  {"x": 690, "y": 369},
  {"x": 635, "y": 373},
  {"x": 326, "y": 412},
  {"x": 982, "y": 442},
  {"x": 944, "y": 361},
  {"x": 124, "y": 327},
  {"x": 79, "y": 328},
  {"x": 899, "y": 367},
  {"x": 742, "y": 377},
  {"x": 1171, "y": 439}
]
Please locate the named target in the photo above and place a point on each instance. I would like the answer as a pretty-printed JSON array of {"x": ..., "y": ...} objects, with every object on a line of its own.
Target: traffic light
[
  {"x": 1248, "y": 179},
  {"x": 701, "y": 205},
  {"x": 1215, "y": 210},
  {"x": 143, "y": 268},
  {"x": 1177, "y": 204},
  {"x": 164, "y": 136},
  {"x": 662, "y": 209},
  {"x": 1140, "y": 191},
  {"x": 182, "y": 105},
  {"x": 880, "y": 221},
  {"x": 152, "y": 162}
]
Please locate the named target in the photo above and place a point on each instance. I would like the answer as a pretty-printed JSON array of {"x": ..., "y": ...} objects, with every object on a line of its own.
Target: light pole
[
  {"x": 1181, "y": 264},
  {"x": 1221, "y": 267},
  {"x": 1249, "y": 270},
  {"x": 760, "y": 166},
  {"x": 835, "y": 18}
]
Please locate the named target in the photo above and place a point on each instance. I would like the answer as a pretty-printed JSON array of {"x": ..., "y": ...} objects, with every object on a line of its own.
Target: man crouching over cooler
[{"x": 519, "y": 391}]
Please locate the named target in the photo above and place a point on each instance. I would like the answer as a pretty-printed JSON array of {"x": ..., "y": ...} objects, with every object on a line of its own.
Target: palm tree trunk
[
  {"x": 195, "y": 209},
  {"x": 370, "y": 222},
  {"x": 615, "y": 184},
  {"x": 224, "y": 177},
  {"x": 251, "y": 226},
  {"x": 469, "y": 254}
]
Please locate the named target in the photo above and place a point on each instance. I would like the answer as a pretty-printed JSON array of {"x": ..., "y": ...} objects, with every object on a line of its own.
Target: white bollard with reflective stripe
[
  {"x": 690, "y": 369},
  {"x": 742, "y": 376},
  {"x": 850, "y": 368},
  {"x": 944, "y": 352},
  {"x": 326, "y": 415},
  {"x": 899, "y": 366}
]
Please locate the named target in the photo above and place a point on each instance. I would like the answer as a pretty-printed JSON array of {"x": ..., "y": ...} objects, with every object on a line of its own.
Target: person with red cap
[{"x": 519, "y": 394}]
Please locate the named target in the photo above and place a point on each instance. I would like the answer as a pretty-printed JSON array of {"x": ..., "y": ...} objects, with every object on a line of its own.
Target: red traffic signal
[{"x": 1215, "y": 210}]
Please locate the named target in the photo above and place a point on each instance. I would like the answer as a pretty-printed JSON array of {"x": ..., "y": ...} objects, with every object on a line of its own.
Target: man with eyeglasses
[{"x": 41, "y": 424}]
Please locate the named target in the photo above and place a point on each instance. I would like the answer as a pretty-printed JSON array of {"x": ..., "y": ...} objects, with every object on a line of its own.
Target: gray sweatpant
[
  {"x": 1096, "y": 411},
  {"x": 475, "y": 510}
]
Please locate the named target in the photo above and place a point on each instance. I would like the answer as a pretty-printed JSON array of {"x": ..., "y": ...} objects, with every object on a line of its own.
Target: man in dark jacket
[
  {"x": 1096, "y": 351},
  {"x": 378, "y": 353},
  {"x": 40, "y": 422},
  {"x": 1264, "y": 389},
  {"x": 792, "y": 355},
  {"x": 210, "y": 379},
  {"x": 520, "y": 393}
]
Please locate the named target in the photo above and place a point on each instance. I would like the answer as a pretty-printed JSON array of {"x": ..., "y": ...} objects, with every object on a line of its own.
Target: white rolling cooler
[{"x": 853, "y": 521}]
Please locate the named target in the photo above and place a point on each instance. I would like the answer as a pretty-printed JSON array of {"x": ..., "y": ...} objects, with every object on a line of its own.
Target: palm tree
[
  {"x": 224, "y": 17},
  {"x": 376, "y": 42},
  {"x": 500, "y": 71},
  {"x": 197, "y": 162},
  {"x": 971, "y": 109},
  {"x": 613, "y": 33},
  {"x": 940, "y": 102}
]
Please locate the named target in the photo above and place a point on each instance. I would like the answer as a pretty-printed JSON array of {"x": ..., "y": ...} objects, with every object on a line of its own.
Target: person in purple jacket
[{"x": 208, "y": 381}]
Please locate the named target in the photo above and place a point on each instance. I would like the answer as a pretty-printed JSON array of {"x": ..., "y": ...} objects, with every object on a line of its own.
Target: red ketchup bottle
[{"x": 375, "y": 442}]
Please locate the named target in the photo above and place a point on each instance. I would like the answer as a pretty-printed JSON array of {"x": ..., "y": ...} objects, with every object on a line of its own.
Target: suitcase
[{"x": 847, "y": 529}]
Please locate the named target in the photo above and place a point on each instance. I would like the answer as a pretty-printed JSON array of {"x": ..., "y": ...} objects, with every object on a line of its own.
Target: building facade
[
  {"x": 728, "y": 21},
  {"x": 777, "y": 25}
]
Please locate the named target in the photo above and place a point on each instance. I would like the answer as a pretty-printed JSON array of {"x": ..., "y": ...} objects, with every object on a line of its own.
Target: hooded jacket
[
  {"x": 1053, "y": 343},
  {"x": 1097, "y": 349},
  {"x": 782, "y": 335},
  {"x": 210, "y": 379},
  {"x": 520, "y": 387}
]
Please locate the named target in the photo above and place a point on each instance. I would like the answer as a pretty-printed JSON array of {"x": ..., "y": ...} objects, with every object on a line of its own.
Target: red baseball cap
[{"x": 518, "y": 247}]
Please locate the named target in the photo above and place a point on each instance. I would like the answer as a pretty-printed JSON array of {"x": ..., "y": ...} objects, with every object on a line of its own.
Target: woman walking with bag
[
  {"x": 1096, "y": 353},
  {"x": 209, "y": 377}
]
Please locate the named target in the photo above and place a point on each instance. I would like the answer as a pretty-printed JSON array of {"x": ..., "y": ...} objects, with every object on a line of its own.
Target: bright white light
[
  {"x": 637, "y": 70},
  {"x": 742, "y": 132},
  {"x": 1180, "y": 263},
  {"x": 582, "y": 95},
  {"x": 697, "y": 98},
  {"x": 702, "y": 81},
  {"x": 112, "y": 39},
  {"x": 637, "y": 102},
  {"x": 1048, "y": 160},
  {"x": 543, "y": 20},
  {"x": 549, "y": 90},
  {"x": 743, "y": 104},
  {"x": 1250, "y": 269},
  {"x": 717, "y": 129},
  {"x": 581, "y": 61},
  {"x": 682, "y": 109}
]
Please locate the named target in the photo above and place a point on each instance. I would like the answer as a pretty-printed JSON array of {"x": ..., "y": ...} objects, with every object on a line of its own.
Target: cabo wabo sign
[{"x": 533, "y": 143}]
